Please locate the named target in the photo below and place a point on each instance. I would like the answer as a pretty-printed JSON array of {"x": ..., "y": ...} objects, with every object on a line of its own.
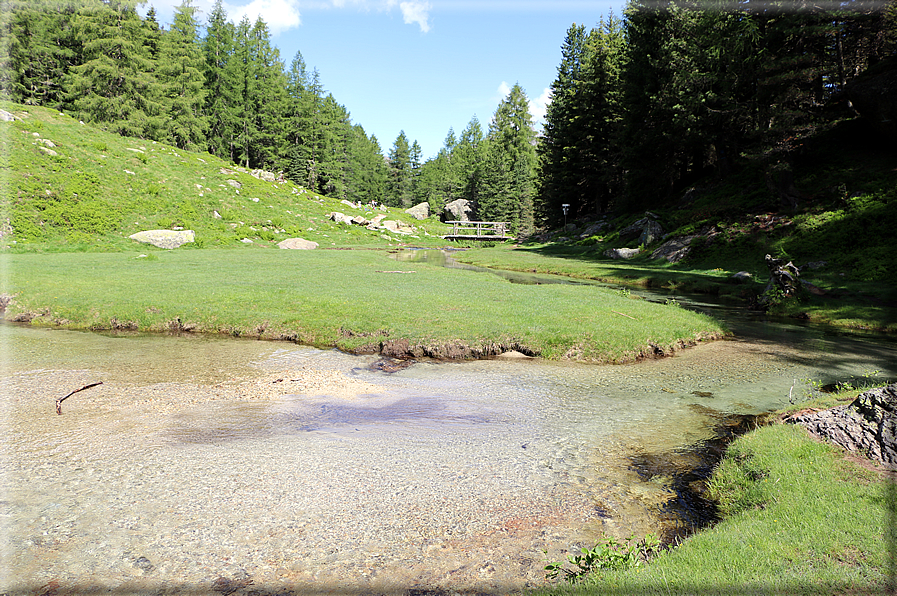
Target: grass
[
  {"x": 347, "y": 299},
  {"x": 100, "y": 188},
  {"x": 799, "y": 519}
]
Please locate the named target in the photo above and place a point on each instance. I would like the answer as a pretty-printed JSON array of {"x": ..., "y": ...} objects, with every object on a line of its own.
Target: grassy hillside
[{"x": 72, "y": 187}]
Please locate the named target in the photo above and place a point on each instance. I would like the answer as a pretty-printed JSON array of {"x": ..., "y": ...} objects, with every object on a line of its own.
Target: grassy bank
[
  {"x": 849, "y": 303},
  {"x": 353, "y": 300},
  {"x": 799, "y": 519}
]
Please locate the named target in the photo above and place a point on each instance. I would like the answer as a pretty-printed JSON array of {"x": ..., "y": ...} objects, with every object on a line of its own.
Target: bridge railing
[{"x": 480, "y": 229}]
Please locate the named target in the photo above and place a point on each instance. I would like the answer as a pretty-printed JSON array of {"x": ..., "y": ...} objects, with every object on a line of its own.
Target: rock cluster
[
  {"x": 867, "y": 426},
  {"x": 377, "y": 223}
]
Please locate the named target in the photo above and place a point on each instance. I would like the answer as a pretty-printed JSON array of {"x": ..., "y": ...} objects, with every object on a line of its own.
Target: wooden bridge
[{"x": 479, "y": 230}]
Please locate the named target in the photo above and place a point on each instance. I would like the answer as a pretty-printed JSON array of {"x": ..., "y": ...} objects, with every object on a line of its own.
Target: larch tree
[{"x": 180, "y": 71}]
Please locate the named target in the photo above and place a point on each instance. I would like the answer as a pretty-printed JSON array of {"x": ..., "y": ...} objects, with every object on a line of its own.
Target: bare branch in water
[{"x": 62, "y": 399}]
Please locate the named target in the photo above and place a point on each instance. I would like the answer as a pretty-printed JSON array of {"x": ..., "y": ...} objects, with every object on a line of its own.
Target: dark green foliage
[
  {"x": 115, "y": 85},
  {"x": 180, "y": 70},
  {"x": 507, "y": 184},
  {"x": 399, "y": 191}
]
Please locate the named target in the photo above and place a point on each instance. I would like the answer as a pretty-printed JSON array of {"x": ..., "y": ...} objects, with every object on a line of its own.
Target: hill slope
[{"x": 72, "y": 187}]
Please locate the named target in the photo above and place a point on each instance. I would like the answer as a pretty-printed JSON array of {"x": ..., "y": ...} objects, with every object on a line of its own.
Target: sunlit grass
[
  {"x": 345, "y": 299},
  {"x": 800, "y": 519}
]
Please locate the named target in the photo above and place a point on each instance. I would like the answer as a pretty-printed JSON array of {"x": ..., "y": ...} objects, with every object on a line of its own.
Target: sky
[{"x": 419, "y": 66}]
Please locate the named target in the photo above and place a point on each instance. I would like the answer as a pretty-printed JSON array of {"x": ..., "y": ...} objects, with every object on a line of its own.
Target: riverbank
[
  {"x": 357, "y": 301},
  {"x": 835, "y": 299},
  {"x": 799, "y": 517}
]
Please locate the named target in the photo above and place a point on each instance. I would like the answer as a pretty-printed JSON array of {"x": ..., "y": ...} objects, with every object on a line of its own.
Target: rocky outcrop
[
  {"x": 419, "y": 211},
  {"x": 674, "y": 249},
  {"x": 867, "y": 426},
  {"x": 297, "y": 244},
  {"x": 647, "y": 230},
  {"x": 459, "y": 210},
  {"x": 621, "y": 253},
  {"x": 169, "y": 239}
]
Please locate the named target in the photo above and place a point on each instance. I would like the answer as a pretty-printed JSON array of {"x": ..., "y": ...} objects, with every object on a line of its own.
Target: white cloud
[
  {"x": 413, "y": 12},
  {"x": 279, "y": 15},
  {"x": 539, "y": 106},
  {"x": 503, "y": 90}
]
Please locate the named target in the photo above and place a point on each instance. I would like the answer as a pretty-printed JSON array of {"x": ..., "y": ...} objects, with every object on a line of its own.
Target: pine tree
[
  {"x": 41, "y": 48},
  {"x": 508, "y": 180},
  {"x": 399, "y": 184},
  {"x": 180, "y": 70},
  {"x": 222, "y": 98},
  {"x": 559, "y": 145},
  {"x": 468, "y": 161},
  {"x": 115, "y": 86}
]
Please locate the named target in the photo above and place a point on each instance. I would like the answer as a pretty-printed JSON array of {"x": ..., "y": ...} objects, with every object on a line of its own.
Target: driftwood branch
[{"x": 62, "y": 399}]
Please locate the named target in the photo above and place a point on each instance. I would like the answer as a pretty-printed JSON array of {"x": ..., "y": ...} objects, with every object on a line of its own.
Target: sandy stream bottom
[
  {"x": 214, "y": 467},
  {"x": 179, "y": 487}
]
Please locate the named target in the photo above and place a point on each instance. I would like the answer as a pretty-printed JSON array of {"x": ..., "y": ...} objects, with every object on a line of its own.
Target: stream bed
[{"x": 205, "y": 465}]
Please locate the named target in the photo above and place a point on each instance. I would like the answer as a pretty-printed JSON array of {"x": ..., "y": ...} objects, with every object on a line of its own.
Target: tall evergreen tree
[
  {"x": 508, "y": 179},
  {"x": 222, "y": 84},
  {"x": 399, "y": 184},
  {"x": 180, "y": 70},
  {"x": 115, "y": 86},
  {"x": 558, "y": 148}
]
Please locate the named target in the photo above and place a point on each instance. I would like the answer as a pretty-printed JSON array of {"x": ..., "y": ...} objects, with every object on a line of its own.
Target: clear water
[{"x": 444, "y": 475}]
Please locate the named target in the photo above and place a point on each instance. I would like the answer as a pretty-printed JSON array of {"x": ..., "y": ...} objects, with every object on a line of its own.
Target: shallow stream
[{"x": 196, "y": 467}]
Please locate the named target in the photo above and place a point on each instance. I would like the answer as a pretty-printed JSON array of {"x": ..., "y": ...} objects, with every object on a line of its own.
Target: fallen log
[{"x": 62, "y": 399}]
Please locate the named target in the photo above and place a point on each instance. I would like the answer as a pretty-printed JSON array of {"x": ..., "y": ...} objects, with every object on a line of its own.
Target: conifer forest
[{"x": 643, "y": 105}]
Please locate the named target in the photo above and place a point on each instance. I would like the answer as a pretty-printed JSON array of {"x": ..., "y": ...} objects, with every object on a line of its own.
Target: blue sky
[{"x": 421, "y": 66}]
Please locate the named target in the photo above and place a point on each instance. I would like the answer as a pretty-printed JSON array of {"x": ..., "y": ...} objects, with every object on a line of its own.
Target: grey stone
[
  {"x": 651, "y": 233},
  {"x": 360, "y": 221},
  {"x": 458, "y": 210},
  {"x": 674, "y": 249},
  {"x": 7, "y": 117},
  {"x": 419, "y": 211},
  {"x": 297, "y": 244},
  {"x": 264, "y": 175},
  {"x": 235, "y": 184},
  {"x": 867, "y": 426},
  {"x": 645, "y": 229},
  {"x": 397, "y": 227},
  {"x": 340, "y": 218},
  {"x": 593, "y": 229},
  {"x": 742, "y": 276},
  {"x": 164, "y": 238},
  {"x": 621, "y": 253}
]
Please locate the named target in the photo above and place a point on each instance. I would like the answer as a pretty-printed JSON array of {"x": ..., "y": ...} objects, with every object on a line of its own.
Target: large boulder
[
  {"x": 419, "y": 211},
  {"x": 340, "y": 218},
  {"x": 164, "y": 238},
  {"x": 867, "y": 426},
  {"x": 647, "y": 230},
  {"x": 297, "y": 244},
  {"x": 458, "y": 210},
  {"x": 674, "y": 249},
  {"x": 621, "y": 253}
]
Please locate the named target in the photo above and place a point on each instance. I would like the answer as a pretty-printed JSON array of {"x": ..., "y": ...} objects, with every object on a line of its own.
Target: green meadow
[{"x": 351, "y": 300}]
